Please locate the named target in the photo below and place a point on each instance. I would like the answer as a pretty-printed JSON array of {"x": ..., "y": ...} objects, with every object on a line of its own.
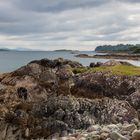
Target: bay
[{"x": 12, "y": 60}]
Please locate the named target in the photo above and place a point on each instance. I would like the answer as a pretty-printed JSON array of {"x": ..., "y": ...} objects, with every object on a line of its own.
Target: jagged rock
[
  {"x": 56, "y": 63},
  {"x": 100, "y": 85}
]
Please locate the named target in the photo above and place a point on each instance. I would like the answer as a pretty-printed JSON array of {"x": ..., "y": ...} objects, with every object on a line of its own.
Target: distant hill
[
  {"x": 4, "y": 49},
  {"x": 62, "y": 50},
  {"x": 119, "y": 48},
  {"x": 17, "y": 49}
]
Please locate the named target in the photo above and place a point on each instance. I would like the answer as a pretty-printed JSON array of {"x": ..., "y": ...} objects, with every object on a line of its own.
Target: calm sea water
[{"x": 11, "y": 60}]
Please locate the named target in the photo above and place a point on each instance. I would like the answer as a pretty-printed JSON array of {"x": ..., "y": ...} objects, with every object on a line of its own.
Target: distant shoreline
[{"x": 112, "y": 56}]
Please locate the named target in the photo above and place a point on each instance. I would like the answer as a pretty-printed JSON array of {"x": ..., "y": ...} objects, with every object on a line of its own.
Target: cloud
[
  {"x": 131, "y": 1},
  {"x": 57, "y": 6},
  {"x": 80, "y": 24}
]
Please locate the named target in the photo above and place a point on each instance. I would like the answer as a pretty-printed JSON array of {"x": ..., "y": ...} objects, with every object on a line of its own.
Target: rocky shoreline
[
  {"x": 112, "y": 56},
  {"x": 46, "y": 100}
]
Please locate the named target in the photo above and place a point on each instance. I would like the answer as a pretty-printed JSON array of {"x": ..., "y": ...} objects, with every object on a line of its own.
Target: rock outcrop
[{"x": 46, "y": 100}]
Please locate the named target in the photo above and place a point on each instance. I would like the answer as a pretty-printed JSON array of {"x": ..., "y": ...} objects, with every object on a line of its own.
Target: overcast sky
[{"x": 68, "y": 24}]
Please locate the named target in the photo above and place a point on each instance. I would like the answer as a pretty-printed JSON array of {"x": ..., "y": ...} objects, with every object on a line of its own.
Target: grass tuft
[{"x": 118, "y": 69}]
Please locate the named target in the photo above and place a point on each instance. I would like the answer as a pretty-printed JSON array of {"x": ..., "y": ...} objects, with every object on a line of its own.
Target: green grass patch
[{"x": 118, "y": 69}]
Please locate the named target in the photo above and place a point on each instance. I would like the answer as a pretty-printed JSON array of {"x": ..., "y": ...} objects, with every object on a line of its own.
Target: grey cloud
[
  {"x": 57, "y": 5},
  {"x": 64, "y": 22},
  {"x": 131, "y": 1}
]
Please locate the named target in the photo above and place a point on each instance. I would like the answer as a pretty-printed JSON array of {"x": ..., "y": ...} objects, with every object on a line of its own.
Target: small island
[
  {"x": 124, "y": 52},
  {"x": 120, "y": 48},
  {"x": 62, "y": 50}
]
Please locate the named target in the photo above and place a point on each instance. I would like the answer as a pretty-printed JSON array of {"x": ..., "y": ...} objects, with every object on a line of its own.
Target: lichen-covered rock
[
  {"x": 100, "y": 85},
  {"x": 134, "y": 100}
]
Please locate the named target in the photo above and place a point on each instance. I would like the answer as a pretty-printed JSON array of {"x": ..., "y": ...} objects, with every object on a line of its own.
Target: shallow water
[{"x": 11, "y": 60}]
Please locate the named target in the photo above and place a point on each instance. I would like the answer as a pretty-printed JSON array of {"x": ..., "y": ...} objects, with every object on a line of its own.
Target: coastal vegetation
[
  {"x": 120, "y": 48},
  {"x": 128, "y": 70}
]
